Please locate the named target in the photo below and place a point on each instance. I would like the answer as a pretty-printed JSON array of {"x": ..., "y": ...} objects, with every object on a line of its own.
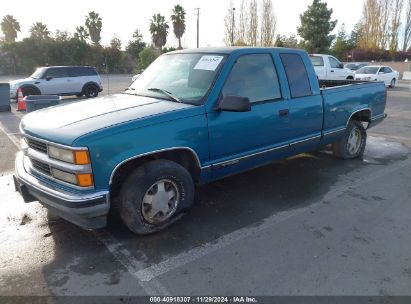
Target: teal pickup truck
[{"x": 192, "y": 117}]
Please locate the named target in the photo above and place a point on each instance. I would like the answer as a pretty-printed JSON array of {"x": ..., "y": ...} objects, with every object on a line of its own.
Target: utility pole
[
  {"x": 198, "y": 26},
  {"x": 232, "y": 29}
]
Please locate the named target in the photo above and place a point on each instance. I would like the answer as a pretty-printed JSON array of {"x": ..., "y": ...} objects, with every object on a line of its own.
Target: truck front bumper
[{"x": 88, "y": 211}]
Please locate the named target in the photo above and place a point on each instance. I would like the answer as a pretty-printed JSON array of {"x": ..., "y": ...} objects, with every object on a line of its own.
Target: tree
[
  {"x": 39, "y": 31},
  {"x": 316, "y": 26},
  {"x": 81, "y": 33},
  {"x": 179, "y": 22},
  {"x": 252, "y": 31},
  {"x": 242, "y": 24},
  {"x": 94, "y": 24},
  {"x": 268, "y": 24},
  {"x": 407, "y": 28},
  {"x": 136, "y": 45},
  {"x": 10, "y": 27},
  {"x": 159, "y": 30},
  {"x": 147, "y": 56},
  {"x": 287, "y": 42},
  {"x": 356, "y": 35},
  {"x": 342, "y": 44},
  {"x": 396, "y": 11},
  {"x": 229, "y": 30}
]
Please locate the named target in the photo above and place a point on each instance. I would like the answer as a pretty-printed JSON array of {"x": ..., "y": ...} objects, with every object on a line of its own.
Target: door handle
[
  {"x": 283, "y": 112},
  {"x": 332, "y": 71}
]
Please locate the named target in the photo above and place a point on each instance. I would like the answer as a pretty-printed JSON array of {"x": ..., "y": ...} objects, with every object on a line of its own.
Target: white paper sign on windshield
[{"x": 208, "y": 63}]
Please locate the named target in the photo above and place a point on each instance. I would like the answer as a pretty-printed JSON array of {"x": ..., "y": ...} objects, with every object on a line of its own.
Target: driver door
[
  {"x": 55, "y": 81},
  {"x": 235, "y": 135}
]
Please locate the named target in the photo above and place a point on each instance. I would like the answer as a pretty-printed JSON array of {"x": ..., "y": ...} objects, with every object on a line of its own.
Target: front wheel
[
  {"x": 352, "y": 144},
  {"x": 155, "y": 195}
]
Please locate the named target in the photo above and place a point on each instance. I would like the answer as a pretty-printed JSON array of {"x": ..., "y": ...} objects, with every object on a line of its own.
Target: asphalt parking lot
[{"x": 309, "y": 225}]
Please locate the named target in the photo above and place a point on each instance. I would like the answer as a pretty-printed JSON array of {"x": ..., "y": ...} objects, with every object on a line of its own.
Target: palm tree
[
  {"x": 39, "y": 31},
  {"x": 81, "y": 33},
  {"x": 94, "y": 24},
  {"x": 10, "y": 27},
  {"x": 179, "y": 22},
  {"x": 159, "y": 30}
]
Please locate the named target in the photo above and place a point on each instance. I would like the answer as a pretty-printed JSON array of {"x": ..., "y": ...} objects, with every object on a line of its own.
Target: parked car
[
  {"x": 378, "y": 73},
  {"x": 59, "y": 80},
  {"x": 194, "y": 116},
  {"x": 353, "y": 66},
  {"x": 328, "y": 67}
]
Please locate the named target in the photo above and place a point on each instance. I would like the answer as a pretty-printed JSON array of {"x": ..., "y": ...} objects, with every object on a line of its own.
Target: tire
[
  {"x": 91, "y": 91},
  {"x": 155, "y": 185},
  {"x": 352, "y": 144},
  {"x": 392, "y": 83},
  {"x": 29, "y": 91}
]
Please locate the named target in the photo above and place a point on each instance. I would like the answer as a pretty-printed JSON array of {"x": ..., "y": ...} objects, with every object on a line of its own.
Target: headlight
[
  {"x": 79, "y": 179},
  {"x": 74, "y": 157}
]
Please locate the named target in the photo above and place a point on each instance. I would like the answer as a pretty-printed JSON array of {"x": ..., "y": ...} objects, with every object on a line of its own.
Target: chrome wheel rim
[
  {"x": 160, "y": 201},
  {"x": 354, "y": 141}
]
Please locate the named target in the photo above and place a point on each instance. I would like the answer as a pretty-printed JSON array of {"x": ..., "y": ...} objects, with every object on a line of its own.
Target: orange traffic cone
[{"x": 21, "y": 104}]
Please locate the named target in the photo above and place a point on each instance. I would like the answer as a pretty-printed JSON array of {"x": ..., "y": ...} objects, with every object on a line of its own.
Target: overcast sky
[{"x": 122, "y": 17}]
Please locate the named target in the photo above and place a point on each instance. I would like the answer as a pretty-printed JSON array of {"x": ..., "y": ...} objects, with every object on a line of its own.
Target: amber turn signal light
[
  {"x": 84, "y": 179},
  {"x": 81, "y": 157}
]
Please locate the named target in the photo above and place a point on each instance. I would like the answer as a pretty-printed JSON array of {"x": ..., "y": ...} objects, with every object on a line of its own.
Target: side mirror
[
  {"x": 340, "y": 66},
  {"x": 48, "y": 78},
  {"x": 234, "y": 104}
]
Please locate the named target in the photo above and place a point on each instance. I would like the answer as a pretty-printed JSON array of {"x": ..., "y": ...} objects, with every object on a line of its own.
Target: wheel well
[
  {"x": 31, "y": 86},
  {"x": 89, "y": 84},
  {"x": 184, "y": 157},
  {"x": 363, "y": 115},
  {"x": 350, "y": 77}
]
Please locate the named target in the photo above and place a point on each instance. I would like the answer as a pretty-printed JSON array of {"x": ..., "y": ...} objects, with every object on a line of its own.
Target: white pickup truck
[{"x": 328, "y": 67}]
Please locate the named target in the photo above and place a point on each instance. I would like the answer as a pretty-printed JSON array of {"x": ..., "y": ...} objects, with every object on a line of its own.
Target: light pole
[
  {"x": 232, "y": 29},
  {"x": 198, "y": 26}
]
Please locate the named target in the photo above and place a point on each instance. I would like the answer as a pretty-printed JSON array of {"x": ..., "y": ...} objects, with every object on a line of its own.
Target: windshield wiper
[{"x": 164, "y": 92}]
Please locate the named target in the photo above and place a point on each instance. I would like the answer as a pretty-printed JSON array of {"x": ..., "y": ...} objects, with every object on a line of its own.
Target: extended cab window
[
  {"x": 317, "y": 60},
  {"x": 296, "y": 74},
  {"x": 253, "y": 76}
]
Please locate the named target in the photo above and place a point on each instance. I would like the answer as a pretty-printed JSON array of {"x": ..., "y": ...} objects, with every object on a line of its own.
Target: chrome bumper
[{"x": 88, "y": 211}]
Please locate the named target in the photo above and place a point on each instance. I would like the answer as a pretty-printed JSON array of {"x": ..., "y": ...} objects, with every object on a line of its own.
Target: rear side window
[
  {"x": 82, "y": 71},
  {"x": 296, "y": 74},
  {"x": 317, "y": 60},
  {"x": 56, "y": 73},
  {"x": 253, "y": 76}
]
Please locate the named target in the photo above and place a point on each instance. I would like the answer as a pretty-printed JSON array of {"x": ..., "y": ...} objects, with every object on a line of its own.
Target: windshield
[
  {"x": 182, "y": 77},
  {"x": 38, "y": 73},
  {"x": 368, "y": 70}
]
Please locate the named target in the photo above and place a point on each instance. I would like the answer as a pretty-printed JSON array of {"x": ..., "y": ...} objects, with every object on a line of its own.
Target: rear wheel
[
  {"x": 352, "y": 144},
  {"x": 155, "y": 195},
  {"x": 392, "y": 83},
  {"x": 91, "y": 91}
]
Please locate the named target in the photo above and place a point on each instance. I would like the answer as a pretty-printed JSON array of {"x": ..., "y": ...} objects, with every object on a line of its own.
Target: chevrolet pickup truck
[{"x": 192, "y": 117}]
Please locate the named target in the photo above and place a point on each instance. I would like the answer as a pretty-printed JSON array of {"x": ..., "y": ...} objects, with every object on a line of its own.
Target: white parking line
[{"x": 124, "y": 257}]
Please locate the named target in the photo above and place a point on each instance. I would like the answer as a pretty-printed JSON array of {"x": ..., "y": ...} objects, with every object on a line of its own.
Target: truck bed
[{"x": 337, "y": 83}]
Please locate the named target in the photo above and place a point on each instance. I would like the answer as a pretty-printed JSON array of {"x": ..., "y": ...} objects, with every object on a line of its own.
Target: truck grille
[
  {"x": 36, "y": 145},
  {"x": 40, "y": 166}
]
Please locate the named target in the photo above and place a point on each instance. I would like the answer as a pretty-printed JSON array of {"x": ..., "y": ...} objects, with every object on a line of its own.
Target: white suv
[{"x": 59, "y": 80}]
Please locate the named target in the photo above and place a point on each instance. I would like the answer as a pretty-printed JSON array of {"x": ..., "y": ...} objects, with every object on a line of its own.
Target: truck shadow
[{"x": 221, "y": 207}]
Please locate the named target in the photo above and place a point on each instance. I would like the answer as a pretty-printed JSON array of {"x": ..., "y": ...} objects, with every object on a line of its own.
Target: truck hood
[{"x": 65, "y": 123}]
